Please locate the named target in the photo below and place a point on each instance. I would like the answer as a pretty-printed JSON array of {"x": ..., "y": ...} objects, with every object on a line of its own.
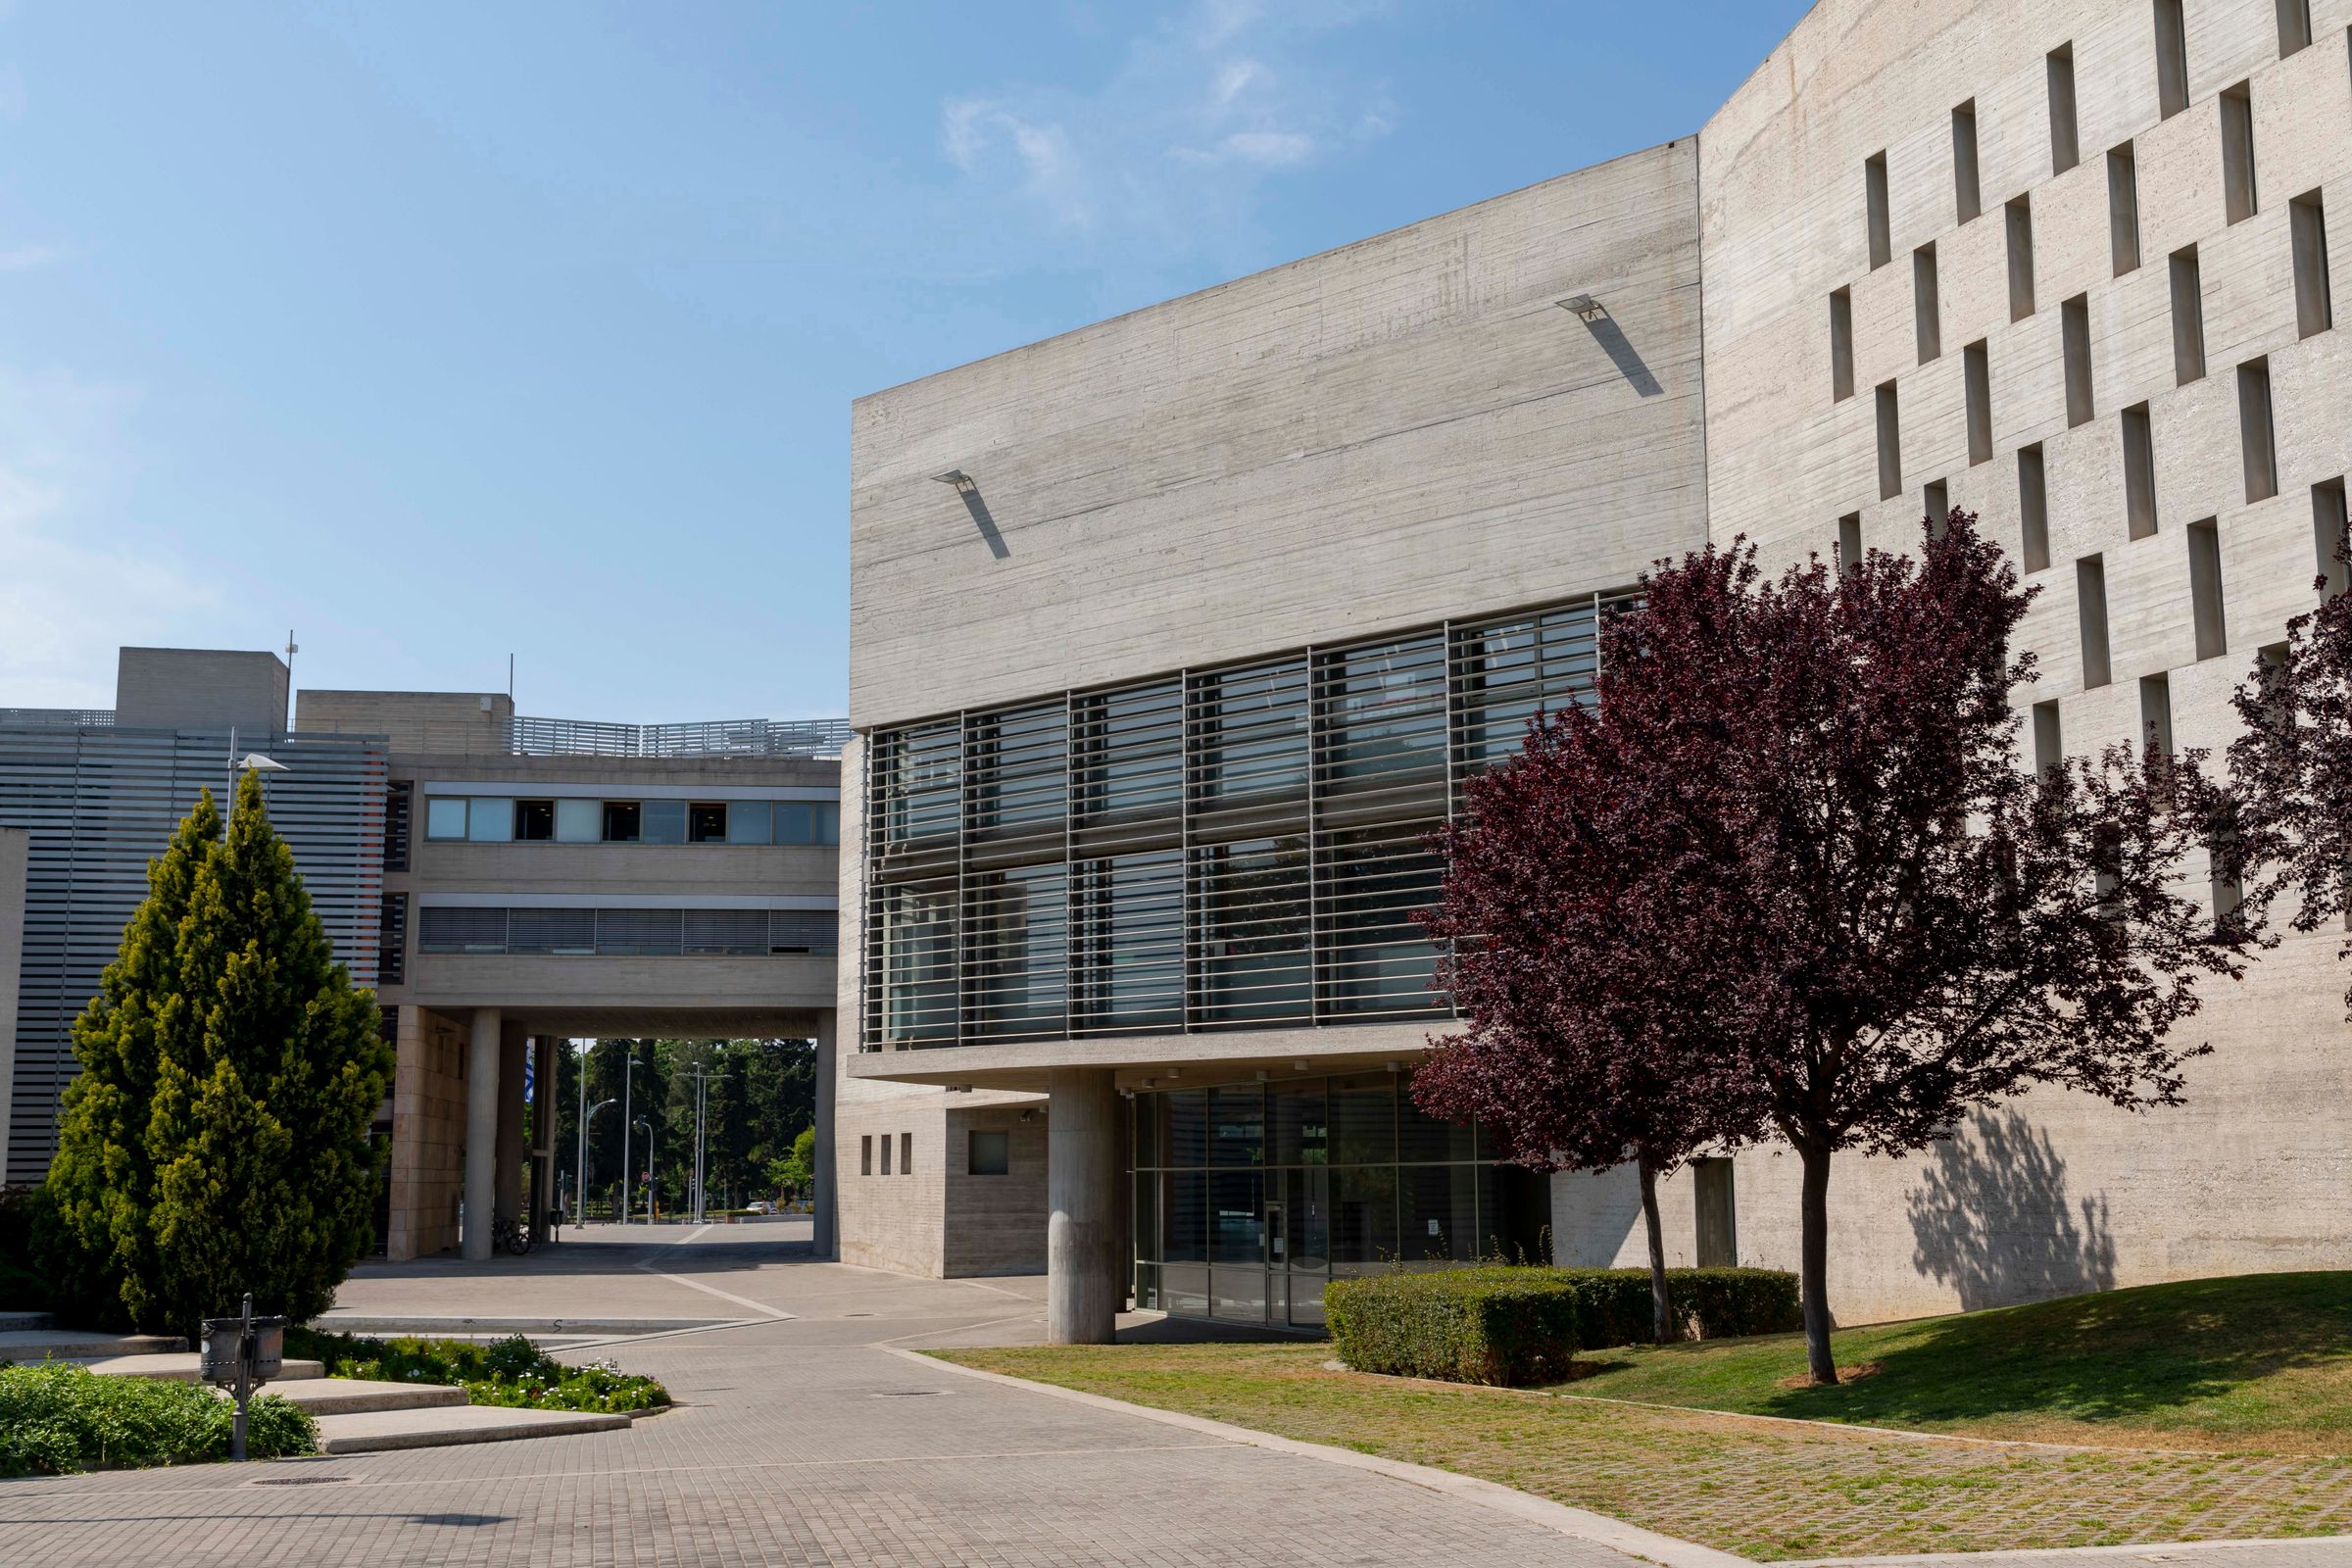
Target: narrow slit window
[
  {"x": 2034, "y": 508},
  {"x": 2091, "y": 615},
  {"x": 1967, "y": 190},
  {"x": 1842, "y": 345},
  {"x": 1936, "y": 505},
  {"x": 2254, "y": 430},
  {"x": 2074, "y": 330},
  {"x": 2294, "y": 26},
  {"x": 2327, "y": 527},
  {"x": 2172, "y": 59},
  {"x": 2239, "y": 197},
  {"x": 2123, "y": 210},
  {"x": 2205, "y": 588},
  {"x": 905, "y": 1153},
  {"x": 1881, "y": 229},
  {"x": 866, "y": 1154},
  {"x": 2066, "y": 150},
  {"x": 1977, "y": 377},
  {"x": 2140, "y": 472},
  {"x": 2049, "y": 741},
  {"x": 2315, "y": 309},
  {"x": 2188, "y": 318},
  {"x": 1926, "y": 309},
  {"x": 1890, "y": 445},
  {"x": 2020, "y": 258},
  {"x": 2156, "y": 714},
  {"x": 886, "y": 1153},
  {"x": 1849, "y": 541}
]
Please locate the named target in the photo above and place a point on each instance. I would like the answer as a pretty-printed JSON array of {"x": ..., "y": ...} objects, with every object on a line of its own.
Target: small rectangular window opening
[
  {"x": 1967, "y": 192},
  {"x": 2172, "y": 59},
  {"x": 2140, "y": 472},
  {"x": 2049, "y": 744},
  {"x": 534, "y": 821},
  {"x": 2294, "y": 26},
  {"x": 706, "y": 824},
  {"x": 2090, "y": 611},
  {"x": 1849, "y": 541},
  {"x": 866, "y": 1154},
  {"x": 2034, "y": 508},
  {"x": 1927, "y": 309},
  {"x": 2188, "y": 318},
  {"x": 1935, "y": 507},
  {"x": 2315, "y": 309},
  {"x": 621, "y": 822},
  {"x": 2123, "y": 210},
  {"x": 1874, "y": 191},
  {"x": 2066, "y": 150},
  {"x": 2254, "y": 430},
  {"x": 2239, "y": 195},
  {"x": 1977, "y": 377},
  {"x": 1842, "y": 345},
  {"x": 2020, "y": 258},
  {"x": 2156, "y": 714},
  {"x": 2327, "y": 527},
  {"x": 2074, "y": 330},
  {"x": 1890, "y": 445},
  {"x": 905, "y": 1153},
  {"x": 991, "y": 1154},
  {"x": 886, "y": 1153},
  {"x": 2205, "y": 588}
]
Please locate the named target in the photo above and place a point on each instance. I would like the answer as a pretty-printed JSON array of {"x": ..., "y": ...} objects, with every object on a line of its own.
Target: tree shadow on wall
[{"x": 1992, "y": 1219}]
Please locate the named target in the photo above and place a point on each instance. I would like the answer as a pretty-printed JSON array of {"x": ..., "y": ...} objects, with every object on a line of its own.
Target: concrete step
[
  {"x": 435, "y": 1328},
  {"x": 12, "y": 1321},
  {"x": 378, "y": 1430},
  {"x": 180, "y": 1366},
  {"x": 325, "y": 1396},
  {"x": 72, "y": 1344}
]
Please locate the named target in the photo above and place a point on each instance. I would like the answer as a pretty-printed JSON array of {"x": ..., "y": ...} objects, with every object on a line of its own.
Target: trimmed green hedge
[
  {"x": 56, "y": 1420},
  {"x": 1504, "y": 1325},
  {"x": 511, "y": 1371}
]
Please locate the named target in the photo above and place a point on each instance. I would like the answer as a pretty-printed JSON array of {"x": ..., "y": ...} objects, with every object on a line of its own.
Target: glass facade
[
  {"x": 1250, "y": 1198},
  {"x": 501, "y": 819},
  {"x": 1224, "y": 848}
]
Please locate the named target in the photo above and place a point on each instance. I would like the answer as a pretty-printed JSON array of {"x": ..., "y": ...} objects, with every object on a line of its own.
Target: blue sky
[{"x": 438, "y": 332}]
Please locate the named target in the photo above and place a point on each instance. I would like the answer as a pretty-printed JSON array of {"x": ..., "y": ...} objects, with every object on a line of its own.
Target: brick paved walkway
[{"x": 795, "y": 1444}]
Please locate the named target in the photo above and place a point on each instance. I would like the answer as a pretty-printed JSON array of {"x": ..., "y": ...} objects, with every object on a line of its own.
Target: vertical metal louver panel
[
  {"x": 556, "y": 931},
  {"x": 814, "y": 931},
  {"x": 99, "y": 803},
  {"x": 647, "y": 932},
  {"x": 447, "y": 930},
  {"x": 726, "y": 933},
  {"x": 392, "y": 939},
  {"x": 399, "y": 800}
]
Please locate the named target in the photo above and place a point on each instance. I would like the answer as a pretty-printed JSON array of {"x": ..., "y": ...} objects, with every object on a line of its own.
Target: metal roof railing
[
  {"x": 62, "y": 718},
  {"x": 729, "y": 737}
]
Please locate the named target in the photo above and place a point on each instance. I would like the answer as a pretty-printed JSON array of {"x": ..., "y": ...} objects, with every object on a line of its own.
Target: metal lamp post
[{"x": 580, "y": 1178}]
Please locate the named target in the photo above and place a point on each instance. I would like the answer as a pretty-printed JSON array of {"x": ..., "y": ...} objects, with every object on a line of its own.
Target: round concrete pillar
[
  {"x": 1082, "y": 1183},
  {"x": 822, "y": 1209},
  {"x": 481, "y": 1134}
]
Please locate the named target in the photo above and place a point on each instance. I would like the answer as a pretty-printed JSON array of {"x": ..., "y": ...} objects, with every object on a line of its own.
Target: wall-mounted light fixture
[
  {"x": 1586, "y": 306},
  {"x": 963, "y": 482}
]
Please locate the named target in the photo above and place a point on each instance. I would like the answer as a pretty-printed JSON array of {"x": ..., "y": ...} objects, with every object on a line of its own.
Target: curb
[
  {"x": 1559, "y": 1517},
  {"x": 2062, "y": 1554}
]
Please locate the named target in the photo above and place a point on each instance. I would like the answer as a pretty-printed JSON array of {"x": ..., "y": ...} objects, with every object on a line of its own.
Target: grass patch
[
  {"x": 2260, "y": 1361},
  {"x": 57, "y": 1419},
  {"x": 1766, "y": 1490},
  {"x": 511, "y": 1372}
]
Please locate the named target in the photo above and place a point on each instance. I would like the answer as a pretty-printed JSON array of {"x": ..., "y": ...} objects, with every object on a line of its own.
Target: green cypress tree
[{"x": 262, "y": 1071}]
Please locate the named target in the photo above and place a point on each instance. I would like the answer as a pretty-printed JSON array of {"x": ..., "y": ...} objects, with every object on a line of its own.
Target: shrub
[
  {"x": 56, "y": 1420},
  {"x": 511, "y": 1371},
  {"x": 25, "y": 1286},
  {"x": 1523, "y": 1325}
]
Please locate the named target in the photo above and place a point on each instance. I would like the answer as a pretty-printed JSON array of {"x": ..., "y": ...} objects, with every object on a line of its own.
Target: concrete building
[
  {"x": 1173, "y": 635},
  {"x": 503, "y": 882},
  {"x": 14, "y": 842}
]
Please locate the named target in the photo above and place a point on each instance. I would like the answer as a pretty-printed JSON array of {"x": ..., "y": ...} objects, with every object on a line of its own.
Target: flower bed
[
  {"x": 510, "y": 1372},
  {"x": 56, "y": 1420}
]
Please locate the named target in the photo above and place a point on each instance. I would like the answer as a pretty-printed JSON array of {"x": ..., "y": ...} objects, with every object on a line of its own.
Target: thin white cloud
[
  {"x": 1168, "y": 158},
  {"x": 24, "y": 258}
]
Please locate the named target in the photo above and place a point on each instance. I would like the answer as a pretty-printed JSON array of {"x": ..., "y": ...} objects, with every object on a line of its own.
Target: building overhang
[{"x": 1158, "y": 1061}]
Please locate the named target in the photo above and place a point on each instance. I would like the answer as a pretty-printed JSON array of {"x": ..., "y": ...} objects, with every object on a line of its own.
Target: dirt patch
[{"x": 1845, "y": 1374}]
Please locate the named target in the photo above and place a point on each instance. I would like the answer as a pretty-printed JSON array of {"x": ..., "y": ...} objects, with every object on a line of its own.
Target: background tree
[
  {"x": 1572, "y": 895},
  {"x": 792, "y": 1175},
  {"x": 236, "y": 1078},
  {"x": 1913, "y": 926},
  {"x": 2290, "y": 771}
]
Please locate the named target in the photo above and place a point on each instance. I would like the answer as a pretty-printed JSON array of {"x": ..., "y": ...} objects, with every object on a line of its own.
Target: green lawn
[{"x": 2261, "y": 1361}]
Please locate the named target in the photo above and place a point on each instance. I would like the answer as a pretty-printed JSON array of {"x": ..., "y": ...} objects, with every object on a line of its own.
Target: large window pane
[
  {"x": 1250, "y": 732},
  {"x": 1128, "y": 943},
  {"x": 663, "y": 823},
  {"x": 1308, "y": 1199},
  {"x": 1237, "y": 1125},
  {"x": 1237, "y": 1217},
  {"x": 917, "y": 782},
  {"x": 1507, "y": 671},
  {"x": 1146, "y": 1216},
  {"x": 1146, "y": 1131},
  {"x": 1376, "y": 959},
  {"x": 1183, "y": 1216},
  {"x": 1186, "y": 1128},
  {"x": 1015, "y": 952},
  {"x": 913, "y": 959},
  {"x": 1514, "y": 1214},
  {"x": 1441, "y": 1214},
  {"x": 748, "y": 821},
  {"x": 1363, "y": 1218},
  {"x": 579, "y": 821},
  {"x": 1128, "y": 752},
  {"x": 1384, "y": 713},
  {"x": 1363, "y": 1119},
  {"x": 796, "y": 822},
  {"x": 1018, "y": 762},
  {"x": 491, "y": 821},
  {"x": 1422, "y": 1137},
  {"x": 1300, "y": 1113},
  {"x": 444, "y": 816},
  {"x": 1250, "y": 937}
]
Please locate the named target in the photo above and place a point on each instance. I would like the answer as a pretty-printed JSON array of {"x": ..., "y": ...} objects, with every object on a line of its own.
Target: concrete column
[
  {"x": 1082, "y": 1296},
  {"x": 514, "y": 1045},
  {"x": 828, "y": 1029},
  {"x": 546, "y": 1094},
  {"x": 481, "y": 1134}
]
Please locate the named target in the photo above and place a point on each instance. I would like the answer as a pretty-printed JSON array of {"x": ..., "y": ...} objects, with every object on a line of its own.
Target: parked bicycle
[{"x": 511, "y": 1236}]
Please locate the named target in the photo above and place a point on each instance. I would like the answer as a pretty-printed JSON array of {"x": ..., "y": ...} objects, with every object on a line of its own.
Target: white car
[{"x": 761, "y": 1206}]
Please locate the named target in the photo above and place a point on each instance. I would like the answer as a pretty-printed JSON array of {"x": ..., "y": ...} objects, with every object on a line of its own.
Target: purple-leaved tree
[{"x": 1867, "y": 918}]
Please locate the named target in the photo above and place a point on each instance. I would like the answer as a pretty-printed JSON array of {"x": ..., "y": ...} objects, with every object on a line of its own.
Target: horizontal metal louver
[
  {"x": 448, "y": 930},
  {"x": 550, "y": 931},
  {"x": 648, "y": 932},
  {"x": 816, "y": 931},
  {"x": 726, "y": 933}
]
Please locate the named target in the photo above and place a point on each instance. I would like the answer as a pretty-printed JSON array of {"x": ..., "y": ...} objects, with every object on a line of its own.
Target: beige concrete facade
[
  {"x": 200, "y": 688},
  {"x": 16, "y": 846},
  {"x": 1408, "y": 431}
]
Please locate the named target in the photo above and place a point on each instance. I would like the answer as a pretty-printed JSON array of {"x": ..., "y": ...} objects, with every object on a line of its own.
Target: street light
[
  {"x": 628, "y": 1084},
  {"x": 579, "y": 1180},
  {"x": 649, "y": 1170}
]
